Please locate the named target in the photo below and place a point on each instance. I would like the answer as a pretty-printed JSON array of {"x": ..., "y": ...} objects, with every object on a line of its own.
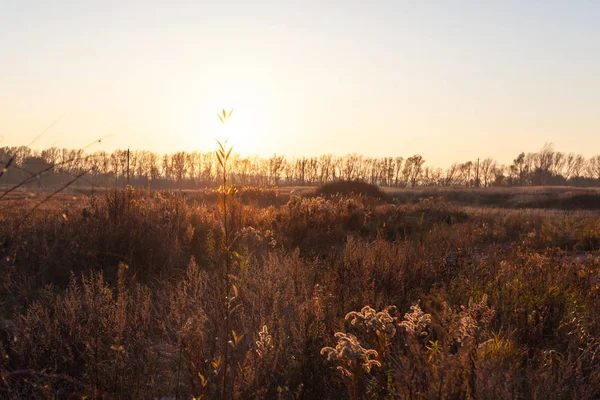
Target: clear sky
[{"x": 451, "y": 80}]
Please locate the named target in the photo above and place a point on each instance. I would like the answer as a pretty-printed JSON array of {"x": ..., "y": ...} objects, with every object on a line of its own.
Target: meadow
[
  {"x": 315, "y": 295},
  {"x": 405, "y": 204}
]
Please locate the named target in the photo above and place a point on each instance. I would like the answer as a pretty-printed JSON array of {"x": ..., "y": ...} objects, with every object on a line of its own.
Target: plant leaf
[
  {"x": 203, "y": 380},
  {"x": 237, "y": 339}
]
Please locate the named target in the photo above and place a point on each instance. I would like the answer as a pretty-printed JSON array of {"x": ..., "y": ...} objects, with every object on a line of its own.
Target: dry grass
[
  {"x": 545, "y": 197},
  {"x": 120, "y": 295}
]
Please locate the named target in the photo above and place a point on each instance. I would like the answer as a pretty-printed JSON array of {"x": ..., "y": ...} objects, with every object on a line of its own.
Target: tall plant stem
[{"x": 227, "y": 267}]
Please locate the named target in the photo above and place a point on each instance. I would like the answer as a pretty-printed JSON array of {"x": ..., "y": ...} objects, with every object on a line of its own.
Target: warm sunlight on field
[{"x": 300, "y": 200}]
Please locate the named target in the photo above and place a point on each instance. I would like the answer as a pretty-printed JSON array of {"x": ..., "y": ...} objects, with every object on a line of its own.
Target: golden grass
[{"x": 124, "y": 298}]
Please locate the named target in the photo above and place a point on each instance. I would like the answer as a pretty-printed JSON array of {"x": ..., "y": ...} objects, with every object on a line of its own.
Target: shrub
[{"x": 350, "y": 188}]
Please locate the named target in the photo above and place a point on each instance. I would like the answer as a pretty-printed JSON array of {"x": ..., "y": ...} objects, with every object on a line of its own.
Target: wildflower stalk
[{"x": 223, "y": 154}]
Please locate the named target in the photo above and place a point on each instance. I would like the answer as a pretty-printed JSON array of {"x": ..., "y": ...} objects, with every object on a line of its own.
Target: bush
[{"x": 350, "y": 188}]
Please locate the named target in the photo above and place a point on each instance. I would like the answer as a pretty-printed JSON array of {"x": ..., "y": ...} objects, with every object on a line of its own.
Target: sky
[{"x": 450, "y": 80}]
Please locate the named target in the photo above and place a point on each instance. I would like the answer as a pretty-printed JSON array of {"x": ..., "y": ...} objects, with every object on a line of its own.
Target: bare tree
[
  {"x": 593, "y": 167},
  {"x": 578, "y": 167},
  {"x": 276, "y": 165},
  {"x": 179, "y": 166},
  {"x": 413, "y": 168},
  {"x": 487, "y": 171},
  {"x": 397, "y": 170}
]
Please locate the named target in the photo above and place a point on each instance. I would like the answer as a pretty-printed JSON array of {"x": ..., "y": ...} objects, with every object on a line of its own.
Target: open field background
[
  {"x": 544, "y": 197},
  {"x": 119, "y": 295}
]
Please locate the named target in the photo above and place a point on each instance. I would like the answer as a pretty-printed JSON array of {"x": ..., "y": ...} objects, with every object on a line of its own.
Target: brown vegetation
[
  {"x": 120, "y": 295},
  {"x": 347, "y": 188}
]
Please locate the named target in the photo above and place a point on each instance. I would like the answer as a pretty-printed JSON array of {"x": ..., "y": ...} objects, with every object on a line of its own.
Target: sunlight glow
[
  {"x": 304, "y": 79},
  {"x": 242, "y": 130},
  {"x": 248, "y": 125}
]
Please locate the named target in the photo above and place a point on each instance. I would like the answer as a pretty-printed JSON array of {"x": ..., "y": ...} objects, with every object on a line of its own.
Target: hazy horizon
[{"x": 451, "y": 80}]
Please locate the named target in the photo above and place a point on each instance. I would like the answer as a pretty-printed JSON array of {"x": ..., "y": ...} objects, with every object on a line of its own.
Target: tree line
[{"x": 187, "y": 170}]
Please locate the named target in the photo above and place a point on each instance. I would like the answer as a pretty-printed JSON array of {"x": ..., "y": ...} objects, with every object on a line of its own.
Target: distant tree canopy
[{"x": 201, "y": 169}]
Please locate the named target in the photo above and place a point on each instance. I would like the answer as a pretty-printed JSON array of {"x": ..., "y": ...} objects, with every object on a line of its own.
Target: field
[{"x": 297, "y": 293}]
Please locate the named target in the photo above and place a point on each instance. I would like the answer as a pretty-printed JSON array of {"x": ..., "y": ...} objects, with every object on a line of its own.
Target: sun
[
  {"x": 250, "y": 124},
  {"x": 244, "y": 130},
  {"x": 195, "y": 125}
]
